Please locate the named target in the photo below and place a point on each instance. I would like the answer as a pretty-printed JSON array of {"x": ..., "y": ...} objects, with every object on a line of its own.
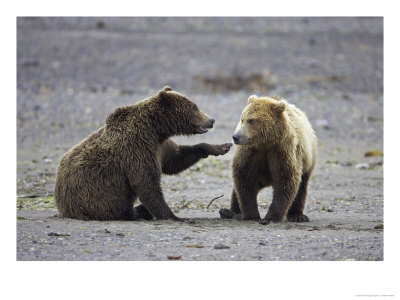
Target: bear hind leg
[
  {"x": 141, "y": 212},
  {"x": 295, "y": 213}
]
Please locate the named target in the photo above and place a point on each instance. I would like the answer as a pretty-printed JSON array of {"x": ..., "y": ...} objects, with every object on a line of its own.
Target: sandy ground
[{"x": 73, "y": 72}]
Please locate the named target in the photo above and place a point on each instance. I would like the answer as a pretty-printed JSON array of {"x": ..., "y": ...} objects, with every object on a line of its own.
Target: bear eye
[{"x": 251, "y": 121}]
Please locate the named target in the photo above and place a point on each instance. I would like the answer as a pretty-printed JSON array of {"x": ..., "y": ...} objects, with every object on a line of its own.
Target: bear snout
[
  {"x": 209, "y": 123},
  {"x": 236, "y": 138},
  {"x": 239, "y": 139}
]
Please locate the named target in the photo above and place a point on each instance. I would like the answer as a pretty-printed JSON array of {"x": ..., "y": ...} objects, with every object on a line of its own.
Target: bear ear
[
  {"x": 280, "y": 107},
  {"x": 251, "y": 98},
  {"x": 163, "y": 97},
  {"x": 167, "y": 88}
]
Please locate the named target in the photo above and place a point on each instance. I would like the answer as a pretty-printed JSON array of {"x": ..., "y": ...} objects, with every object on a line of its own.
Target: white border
[{"x": 246, "y": 280}]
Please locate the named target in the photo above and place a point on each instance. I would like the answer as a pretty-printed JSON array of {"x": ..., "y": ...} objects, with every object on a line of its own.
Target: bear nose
[
  {"x": 236, "y": 138},
  {"x": 212, "y": 121}
]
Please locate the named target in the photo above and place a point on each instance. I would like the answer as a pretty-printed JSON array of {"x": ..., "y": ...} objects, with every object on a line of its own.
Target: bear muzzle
[
  {"x": 203, "y": 128},
  {"x": 239, "y": 139}
]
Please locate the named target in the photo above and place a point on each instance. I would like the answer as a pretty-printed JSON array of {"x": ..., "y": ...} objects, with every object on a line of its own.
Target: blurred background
[{"x": 73, "y": 72}]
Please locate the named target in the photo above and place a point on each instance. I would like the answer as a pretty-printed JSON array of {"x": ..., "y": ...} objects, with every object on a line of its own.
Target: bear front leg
[
  {"x": 234, "y": 211},
  {"x": 150, "y": 194},
  {"x": 153, "y": 200},
  {"x": 177, "y": 158},
  {"x": 285, "y": 188},
  {"x": 235, "y": 208},
  {"x": 246, "y": 192}
]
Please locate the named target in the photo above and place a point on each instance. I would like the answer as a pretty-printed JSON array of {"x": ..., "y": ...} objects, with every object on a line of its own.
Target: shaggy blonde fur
[{"x": 276, "y": 147}]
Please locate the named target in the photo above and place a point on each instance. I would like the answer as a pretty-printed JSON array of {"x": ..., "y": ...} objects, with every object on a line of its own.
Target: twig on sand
[{"x": 213, "y": 200}]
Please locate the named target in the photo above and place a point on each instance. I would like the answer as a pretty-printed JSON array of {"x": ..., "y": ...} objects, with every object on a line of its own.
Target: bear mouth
[{"x": 200, "y": 129}]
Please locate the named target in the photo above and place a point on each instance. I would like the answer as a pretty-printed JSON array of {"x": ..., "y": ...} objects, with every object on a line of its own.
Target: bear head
[
  {"x": 184, "y": 117},
  {"x": 262, "y": 121}
]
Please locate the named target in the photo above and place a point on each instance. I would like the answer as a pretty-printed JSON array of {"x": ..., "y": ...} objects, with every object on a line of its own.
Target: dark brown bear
[{"x": 103, "y": 176}]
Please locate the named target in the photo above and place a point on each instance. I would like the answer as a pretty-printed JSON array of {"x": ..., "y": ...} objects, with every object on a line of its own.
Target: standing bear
[
  {"x": 103, "y": 176},
  {"x": 276, "y": 146}
]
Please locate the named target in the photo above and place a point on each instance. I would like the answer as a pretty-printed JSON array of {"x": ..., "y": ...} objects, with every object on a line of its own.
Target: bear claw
[
  {"x": 225, "y": 213},
  {"x": 228, "y": 214},
  {"x": 220, "y": 149},
  {"x": 298, "y": 218},
  {"x": 264, "y": 222}
]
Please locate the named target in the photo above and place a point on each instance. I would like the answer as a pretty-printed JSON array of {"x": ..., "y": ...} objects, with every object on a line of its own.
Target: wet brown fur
[{"x": 102, "y": 177}]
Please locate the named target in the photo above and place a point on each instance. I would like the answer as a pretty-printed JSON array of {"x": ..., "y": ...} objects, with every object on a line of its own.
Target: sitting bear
[
  {"x": 103, "y": 176},
  {"x": 276, "y": 146}
]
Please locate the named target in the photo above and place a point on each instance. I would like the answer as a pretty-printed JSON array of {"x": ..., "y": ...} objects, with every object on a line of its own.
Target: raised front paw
[
  {"x": 298, "y": 218},
  {"x": 219, "y": 149}
]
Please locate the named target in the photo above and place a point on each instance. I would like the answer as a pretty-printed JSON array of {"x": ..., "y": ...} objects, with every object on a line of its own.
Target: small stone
[
  {"x": 170, "y": 257},
  {"x": 363, "y": 166},
  {"x": 26, "y": 62},
  {"x": 221, "y": 246},
  {"x": 58, "y": 234},
  {"x": 100, "y": 24},
  {"x": 194, "y": 246}
]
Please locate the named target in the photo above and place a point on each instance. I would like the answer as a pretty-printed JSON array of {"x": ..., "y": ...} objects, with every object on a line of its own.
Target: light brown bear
[
  {"x": 276, "y": 146},
  {"x": 105, "y": 174}
]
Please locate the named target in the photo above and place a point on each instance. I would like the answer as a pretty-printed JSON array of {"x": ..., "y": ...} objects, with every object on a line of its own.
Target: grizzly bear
[
  {"x": 103, "y": 176},
  {"x": 276, "y": 146}
]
